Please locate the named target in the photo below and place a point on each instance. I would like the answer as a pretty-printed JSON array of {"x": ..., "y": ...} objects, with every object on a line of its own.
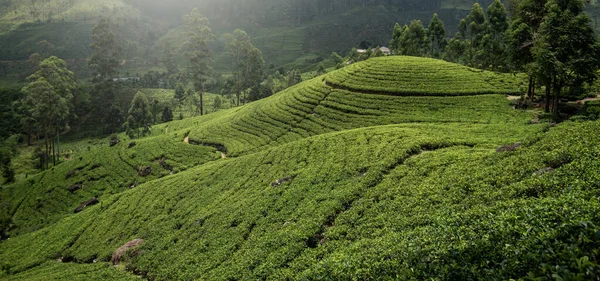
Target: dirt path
[
  {"x": 589, "y": 99},
  {"x": 187, "y": 140},
  {"x": 583, "y": 101}
]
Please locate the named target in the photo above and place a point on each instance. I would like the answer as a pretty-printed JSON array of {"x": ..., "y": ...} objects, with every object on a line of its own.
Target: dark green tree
[
  {"x": 566, "y": 50},
  {"x": 248, "y": 62},
  {"x": 8, "y": 150},
  {"x": 293, "y": 78},
  {"x": 217, "y": 103},
  {"x": 413, "y": 41},
  {"x": 493, "y": 53},
  {"x": 104, "y": 62},
  {"x": 199, "y": 34},
  {"x": 396, "y": 34},
  {"x": 139, "y": 117},
  {"x": 48, "y": 100},
  {"x": 476, "y": 27},
  {"x": 437, "y": 36},
  {"x": 167, "y": 115},
  {"x": 114, "y": 119},
  {"x": 179, "y": 95},
  {"x": 521, "y": 37},
  {"x": 321, "y": 69}
]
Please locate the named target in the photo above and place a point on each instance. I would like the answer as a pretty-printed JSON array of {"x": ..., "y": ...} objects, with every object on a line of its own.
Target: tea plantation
[{"x": 326, "y": 181}]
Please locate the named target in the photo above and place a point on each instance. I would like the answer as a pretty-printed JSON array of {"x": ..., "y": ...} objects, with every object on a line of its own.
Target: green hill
[{"x": 324, "y": 182}]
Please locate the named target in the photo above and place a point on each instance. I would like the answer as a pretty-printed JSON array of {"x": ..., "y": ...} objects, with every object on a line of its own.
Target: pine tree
[
  {"x": 414, "y": 40},
  {"x": 436, "y": 36},
  {"x": 396, "y": 34},
  {"x": 493, "y": 50}
]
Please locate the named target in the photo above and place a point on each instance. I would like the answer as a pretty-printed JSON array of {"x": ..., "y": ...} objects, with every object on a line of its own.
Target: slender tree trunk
[
  {"x": 529, "y": 88},
  {"x": 58, "y": 140},
  {"x": 548, "y": 89},
  {"x": 201, "y": 103},
  {"x": 47, "y": 154},
  {"x": 533, "y": 89},
  {"x": 58, "y": 143},
  {"x": 555, "y": 107},
  {"x": 53, "y": 152}
]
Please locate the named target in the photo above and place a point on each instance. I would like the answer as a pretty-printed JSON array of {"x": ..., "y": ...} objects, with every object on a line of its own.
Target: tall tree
[
  {"x": 199, "y": 34},
  {"x": 248, "y": 62},
  {"x": 494, "y": 42},
  {"x": 104, "y": 62},
  {"x": 179, "y": 95},
  {"x": 521, "y": 38},
  {"x": 476, "y": 26},
  {"x": 48, "y": 99},
  {"x": 566, "y": 51},
  {"x": 436, "y": 34},
  {"x": 413, "y": 41},
  {"x": 139, "y": 117},
  {"x": 396, "y": 34},
  {"x": 8, "y": 149}
]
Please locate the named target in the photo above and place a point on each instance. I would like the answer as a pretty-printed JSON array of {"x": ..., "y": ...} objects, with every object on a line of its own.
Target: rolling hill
[{"x": 369, "y": 178}]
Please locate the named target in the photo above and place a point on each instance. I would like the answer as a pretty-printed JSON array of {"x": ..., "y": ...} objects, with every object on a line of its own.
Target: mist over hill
[{"x": 285, "y": 31}]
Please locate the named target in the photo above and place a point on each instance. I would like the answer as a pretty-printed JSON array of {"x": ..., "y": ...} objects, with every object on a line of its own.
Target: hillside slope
[
  {"x": 365, "y": 204},
  {"x": 319, "y": 182},
  {"x": 309, "y": 109}
]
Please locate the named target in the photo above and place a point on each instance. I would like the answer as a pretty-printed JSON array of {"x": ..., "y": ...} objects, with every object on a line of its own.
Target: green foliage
[
  {"x": 140, "y": 117},
  {"x": 198, "y": 53},
  {"x": 592, "y": 110},
  {"x": 436, "y": 34},
  {"x": 566, "y": 51},
  {"x": 167, "y": 115},
  {"x": 104, "y": 62},
  {"x": 293, "y": 77},
  {"x": 70, "y": 271},
  {"x": 396, "y": 35},
  {"x": 248, "y": 63},
  {"x": 8, "y": 150},
  {"x": 386, "y": 169},
  {"x": 413, "y": 41},
  {"x": 494, "y": 49},
  {"x": 10, "y": 115},
  {"x": 421, "y": 76},
  {"x": 422, "y": 200}
]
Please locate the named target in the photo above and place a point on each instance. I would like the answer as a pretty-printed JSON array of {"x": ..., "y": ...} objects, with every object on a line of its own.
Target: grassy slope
[
  {"x": 425, "y": 197},
  {"x": 314, "y": 107},
  {"x": 413, "y": 76}
]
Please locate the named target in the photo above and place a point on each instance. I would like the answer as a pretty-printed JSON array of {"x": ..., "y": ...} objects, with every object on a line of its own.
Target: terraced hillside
[
  {"x": 320, "y": 105},
  {"x": 413, "y": 76},
  {"x": 319, "y": 182}
]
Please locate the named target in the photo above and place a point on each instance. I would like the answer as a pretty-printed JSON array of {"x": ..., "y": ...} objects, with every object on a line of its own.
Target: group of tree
[
  {"x": 551, "y": 40},
  {"x": 248, "y": 63},
  {"x": 48, "y": 104}
]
